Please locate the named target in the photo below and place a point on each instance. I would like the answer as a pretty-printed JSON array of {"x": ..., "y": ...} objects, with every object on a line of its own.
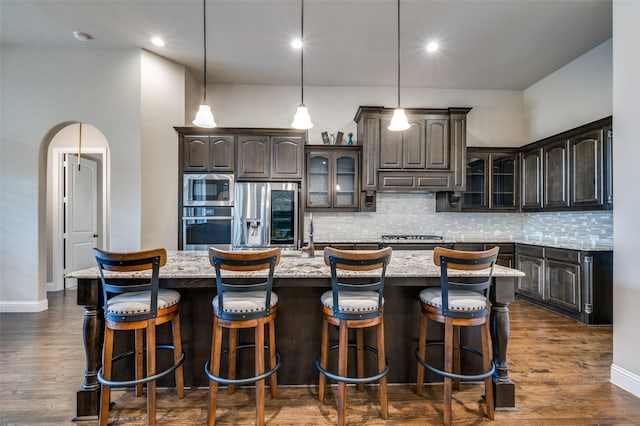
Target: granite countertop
[
  {"x": 195, "y": 264},
  {"x": 504, "y": 240}
]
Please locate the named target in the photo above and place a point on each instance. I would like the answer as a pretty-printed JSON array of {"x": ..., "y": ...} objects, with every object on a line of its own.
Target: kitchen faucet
[{"x": 309, "y": 249}]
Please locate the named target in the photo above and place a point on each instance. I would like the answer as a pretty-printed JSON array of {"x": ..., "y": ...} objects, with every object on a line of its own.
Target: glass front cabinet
[
  {"x": 332, "y": 178},
  {"x": 492, "y": 180}
]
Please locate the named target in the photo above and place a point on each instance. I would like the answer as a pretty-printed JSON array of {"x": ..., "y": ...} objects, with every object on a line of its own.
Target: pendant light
[
  {"x": 204, "y": 117},
  {"x": 399, "y": 120},
  {"x": 302, "y": 120}
]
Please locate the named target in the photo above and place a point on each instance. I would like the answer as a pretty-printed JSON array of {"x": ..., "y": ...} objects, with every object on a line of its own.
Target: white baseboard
[
  {"x": 625, "y": 379},
  {"x": 50, "y": 286},
  {"x": 24, "y": 306}
]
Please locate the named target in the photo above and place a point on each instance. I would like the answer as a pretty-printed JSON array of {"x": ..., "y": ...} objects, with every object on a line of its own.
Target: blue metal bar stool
[
  {"x": 458, "y": 302},
  {"x": 248, "y": 304},
  {"x": 138, "y": 306},
  {"x": 354, "y": 304}
]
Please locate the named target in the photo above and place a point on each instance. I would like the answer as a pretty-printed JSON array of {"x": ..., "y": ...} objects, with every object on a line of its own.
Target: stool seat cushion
[
  {"x": 459, "y": 300},
  {"x": 352, "y": 301},
  {"x": 241, "y": 302},
  {"x": 139, "y": 302}
]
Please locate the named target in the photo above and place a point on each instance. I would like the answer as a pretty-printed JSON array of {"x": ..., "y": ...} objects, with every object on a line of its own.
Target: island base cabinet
[{"x": 578, "y": 284}]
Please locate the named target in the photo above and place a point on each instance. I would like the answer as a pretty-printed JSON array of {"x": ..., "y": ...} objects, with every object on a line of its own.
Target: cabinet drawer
[
  {"x": 468, "y": 246},
  {"x": 504, "y": 248},
  {"x": 534, "y": 251},
  {"x": 568, "y": 256}
]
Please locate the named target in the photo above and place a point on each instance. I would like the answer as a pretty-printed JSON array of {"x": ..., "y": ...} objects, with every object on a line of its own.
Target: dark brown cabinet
[
  {"x": 429, "y": 156},
  {"x": 215, "y": 153},
  {"x": 555, "y": 175},
  {"x": 575, "y": 283},
  {"x": 268, "y": 157},
  {"x": 492, "y": 180},
  {"x": 332, "y": 180},
  {"x": 570, "y": 171}
]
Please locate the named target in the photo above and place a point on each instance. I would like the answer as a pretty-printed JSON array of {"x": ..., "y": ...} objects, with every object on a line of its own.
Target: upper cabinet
[
  {"x": 213, "y": 153},
  {"x": 492, "y": 180},
  {"x": 269, "y": 157},
  {"x": 429, "y": 156},
  {"x": 332, "y": 181},
  {"x": 569, "y": 171}
]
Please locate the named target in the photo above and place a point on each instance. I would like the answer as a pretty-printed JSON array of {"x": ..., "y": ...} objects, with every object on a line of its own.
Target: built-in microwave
[{"x": 207, "y": 190}]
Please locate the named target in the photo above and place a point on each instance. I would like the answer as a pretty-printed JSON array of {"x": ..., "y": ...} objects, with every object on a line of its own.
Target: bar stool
[
  {"x": 249, "y": 303},
  {"x": 461, "y": 302},
  {"x": 354, "y": 304},
  {"x": 138, "y": 306}
]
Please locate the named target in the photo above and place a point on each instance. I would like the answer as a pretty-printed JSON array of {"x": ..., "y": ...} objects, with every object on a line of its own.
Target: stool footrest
[
  {"x": 128, "y": 383},
  {"x": 463, "y": 377},
  {"x": 356, "y": 380},
  {"x": 245, "y": 381}
]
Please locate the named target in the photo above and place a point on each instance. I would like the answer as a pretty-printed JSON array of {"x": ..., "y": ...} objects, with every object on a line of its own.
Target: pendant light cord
[
  {"x": 302, "y": 53},
  {"x": 204, "y": 25},
  {"x": 398, "y": 53}
]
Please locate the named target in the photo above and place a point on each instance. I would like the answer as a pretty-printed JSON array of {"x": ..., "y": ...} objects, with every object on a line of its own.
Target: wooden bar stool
[
  {"x": 138, "y": 306},
  {"x": 238, "y": 305},
  {"x": 458, "y": 302},
  {"x": 354, "y": 304}
]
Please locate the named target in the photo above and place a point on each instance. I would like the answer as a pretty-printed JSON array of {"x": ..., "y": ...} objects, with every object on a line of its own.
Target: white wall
[
  {"x": 163, "y": 106},
  {"x": 495, "y": 120},
  {"x": 578, "y": 93},
  {"x": 41, "y": 90},
  {"x": 625, "y": 371}
]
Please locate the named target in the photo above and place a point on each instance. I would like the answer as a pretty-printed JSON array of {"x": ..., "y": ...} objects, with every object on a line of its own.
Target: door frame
[{"x": 58, "y": 217}]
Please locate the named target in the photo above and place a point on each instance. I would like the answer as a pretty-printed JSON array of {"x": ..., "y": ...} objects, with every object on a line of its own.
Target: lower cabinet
[{"x": 576, "y": 283}]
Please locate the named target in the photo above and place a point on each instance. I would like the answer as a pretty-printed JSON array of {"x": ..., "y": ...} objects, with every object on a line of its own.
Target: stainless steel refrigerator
[{"x": 266, "y": 215}]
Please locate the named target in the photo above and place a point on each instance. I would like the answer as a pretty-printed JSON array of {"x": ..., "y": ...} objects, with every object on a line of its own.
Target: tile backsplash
[{"x": 409, "y": 213}]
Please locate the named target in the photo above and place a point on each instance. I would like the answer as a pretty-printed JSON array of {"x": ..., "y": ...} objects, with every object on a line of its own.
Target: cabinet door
[
  {"x": 221, "y": 154},
  {"x": 286, "y": 157},
  {"x": 318, "y": 180},
  {"x": 254, "y": 160},
  {"x": 437, "y": 148},
  {"x": 563, "y": 285},
  {"x": 503, "y": 185},
  {"x": 532, "y": 179},
  {"x": 346, "y": 183},
  {"x": 413, "y": 145},
  {"x": 532, "y": 284},
  {"x": 556, "y": 175},
  {"x": 195, "y": 154},
  {"x": 391, "y": 155},
  {"x": 475, "y": 197},
  {"x": 586, "y": 169}
]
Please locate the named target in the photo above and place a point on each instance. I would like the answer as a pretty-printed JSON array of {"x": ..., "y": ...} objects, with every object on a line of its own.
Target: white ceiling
[{"x": 485, "y": 44}]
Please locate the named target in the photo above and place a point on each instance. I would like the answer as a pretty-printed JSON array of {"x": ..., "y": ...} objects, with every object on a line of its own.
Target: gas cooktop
[{"x": 413, "y": 237}]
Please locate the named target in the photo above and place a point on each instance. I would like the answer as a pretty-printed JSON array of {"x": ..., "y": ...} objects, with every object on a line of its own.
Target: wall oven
[
  {"x": 203, "y": 227},
  {"x": 207, "y": 190}
]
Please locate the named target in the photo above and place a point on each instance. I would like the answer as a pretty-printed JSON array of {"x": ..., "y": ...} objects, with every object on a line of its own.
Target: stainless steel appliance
[
  {"x": 207, "y": 190},
  {"x": 266, "y": 214},
  {"x": 203, "y": 227}
]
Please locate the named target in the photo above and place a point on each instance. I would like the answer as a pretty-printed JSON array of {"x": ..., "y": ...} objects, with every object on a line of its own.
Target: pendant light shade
[
  {"x": 302, "y": 120},
  {"x": 399, "y": 120},
  {"x": 204, "y": 117}
]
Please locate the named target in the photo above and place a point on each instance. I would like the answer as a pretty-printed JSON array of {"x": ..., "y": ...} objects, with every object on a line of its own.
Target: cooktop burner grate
[{"x": 413, "y": 237}]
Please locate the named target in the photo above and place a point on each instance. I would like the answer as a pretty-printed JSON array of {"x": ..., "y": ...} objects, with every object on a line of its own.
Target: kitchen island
[{"x": 299, "y": 281}]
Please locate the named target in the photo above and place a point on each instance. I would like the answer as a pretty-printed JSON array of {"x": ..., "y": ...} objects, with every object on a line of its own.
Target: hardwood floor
[{"x": 561, "y": 369}]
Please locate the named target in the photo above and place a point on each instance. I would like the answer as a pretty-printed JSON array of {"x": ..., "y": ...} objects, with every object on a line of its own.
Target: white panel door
[{"x": 81, "y": 213}]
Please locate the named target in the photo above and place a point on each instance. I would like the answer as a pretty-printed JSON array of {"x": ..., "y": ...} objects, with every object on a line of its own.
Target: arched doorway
[{"x": 77, "y": 200}]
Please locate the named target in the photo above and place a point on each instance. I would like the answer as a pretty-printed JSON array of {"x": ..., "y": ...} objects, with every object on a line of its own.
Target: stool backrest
[
  {"x": 465, "y": 261},
  {"x": 131, "y": 262},
  {"x": 357, "y": 261},
  {"x": 244, "y": 261}
]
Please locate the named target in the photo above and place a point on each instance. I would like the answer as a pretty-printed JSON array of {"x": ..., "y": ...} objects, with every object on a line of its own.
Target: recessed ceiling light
[
  {"x": 297, "y": 43},
  {"x": 80, "y": 36},
  {"x": 157, "y": 41},
  {"x": 432, "y": 46}
]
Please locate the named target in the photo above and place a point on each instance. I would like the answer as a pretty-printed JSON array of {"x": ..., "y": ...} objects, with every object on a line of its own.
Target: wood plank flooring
[{"x": 560, "y": 366}]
